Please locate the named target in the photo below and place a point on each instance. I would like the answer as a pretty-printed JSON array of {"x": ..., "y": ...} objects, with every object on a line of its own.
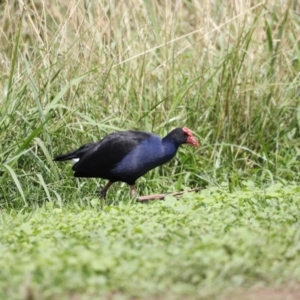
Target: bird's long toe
[{"x": 132, "y": 191}]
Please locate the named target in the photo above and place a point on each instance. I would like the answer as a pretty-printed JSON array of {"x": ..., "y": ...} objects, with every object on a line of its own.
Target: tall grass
[{"x": 73, "y": 71}]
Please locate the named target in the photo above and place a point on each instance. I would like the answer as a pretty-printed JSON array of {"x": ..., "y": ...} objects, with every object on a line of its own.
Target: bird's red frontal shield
[{"x": 191, "y": 139}]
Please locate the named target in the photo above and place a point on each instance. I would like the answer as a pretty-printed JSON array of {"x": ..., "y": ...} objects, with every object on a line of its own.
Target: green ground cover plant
[
  {"x": 73, "y": 71},
  {"x": 171, "y": 249}
]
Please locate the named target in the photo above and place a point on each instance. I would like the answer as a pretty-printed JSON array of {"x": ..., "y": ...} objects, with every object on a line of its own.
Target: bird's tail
[
  {"x": 74, "y": 155},
  {"x": 66, "y": 156}
]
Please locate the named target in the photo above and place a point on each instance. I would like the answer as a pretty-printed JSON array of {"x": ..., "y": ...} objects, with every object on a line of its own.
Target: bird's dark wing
[{"x": 100, "y": 158}]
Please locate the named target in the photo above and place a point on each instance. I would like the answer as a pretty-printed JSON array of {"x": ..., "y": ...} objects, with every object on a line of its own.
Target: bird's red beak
[{"x": 191, "y": 139}]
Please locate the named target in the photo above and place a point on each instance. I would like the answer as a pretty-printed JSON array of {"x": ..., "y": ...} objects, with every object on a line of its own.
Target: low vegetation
[{"x": 171, "y": 249}]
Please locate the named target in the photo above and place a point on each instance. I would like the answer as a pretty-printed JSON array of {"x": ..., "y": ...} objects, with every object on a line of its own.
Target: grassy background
[{"x": 73, "y": 71}]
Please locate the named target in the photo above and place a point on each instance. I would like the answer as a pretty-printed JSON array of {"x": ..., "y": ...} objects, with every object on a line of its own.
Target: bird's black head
[{"x": 183, "y": 135}]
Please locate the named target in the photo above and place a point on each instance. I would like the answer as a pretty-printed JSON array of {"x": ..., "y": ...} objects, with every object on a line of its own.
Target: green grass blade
[
  {"x": 14, "y": 58},
  {"x": 44, "y": 185},
  {"x": 48, "y": 157},
  {"x": 61, "y": 93},
  {"x": 14, "y": 176},
  {"x": 28, "y": 140}
]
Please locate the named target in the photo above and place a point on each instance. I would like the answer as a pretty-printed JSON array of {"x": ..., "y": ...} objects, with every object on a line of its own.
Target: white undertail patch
[{"x": 74, "y": 160}]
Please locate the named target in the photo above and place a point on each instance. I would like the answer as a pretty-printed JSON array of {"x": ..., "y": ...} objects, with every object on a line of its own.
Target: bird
[{"x": 126, "y": 155}]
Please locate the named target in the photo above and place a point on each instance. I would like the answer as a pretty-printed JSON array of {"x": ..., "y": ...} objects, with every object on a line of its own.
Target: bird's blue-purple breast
[{"x": 145, "y": 156}]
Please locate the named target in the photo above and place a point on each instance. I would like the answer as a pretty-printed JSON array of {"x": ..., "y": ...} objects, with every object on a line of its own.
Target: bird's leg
[
  {"x": 103, "y": 193},
  {"x": 132, "y": 191},
  {"x": 104, "y": 190}
]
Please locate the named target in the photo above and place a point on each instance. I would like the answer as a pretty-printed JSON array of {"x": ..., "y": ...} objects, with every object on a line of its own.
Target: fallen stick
[{"x": 162, "y": 196}]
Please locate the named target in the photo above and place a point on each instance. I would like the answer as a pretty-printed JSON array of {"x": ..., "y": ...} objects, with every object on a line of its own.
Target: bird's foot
[
  {"x": 132, "y": 191},
  {"x": 102, "y": 195}
]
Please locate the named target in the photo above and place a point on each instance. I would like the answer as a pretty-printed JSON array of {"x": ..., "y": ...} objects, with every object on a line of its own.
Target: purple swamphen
[{"x": 126, "y": 155}]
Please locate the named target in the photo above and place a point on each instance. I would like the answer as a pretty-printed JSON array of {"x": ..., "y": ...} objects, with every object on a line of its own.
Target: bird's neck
[{"x": 169, "y": 146}]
